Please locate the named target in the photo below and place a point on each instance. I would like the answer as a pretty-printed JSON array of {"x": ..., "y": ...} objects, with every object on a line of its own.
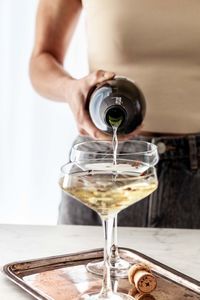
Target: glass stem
[
  {"x": 106, "y": 290},
  {"x": 114, "y": 250}
]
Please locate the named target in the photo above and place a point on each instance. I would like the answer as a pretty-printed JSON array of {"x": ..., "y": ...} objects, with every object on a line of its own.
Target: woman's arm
[{"x": 55, "y": 25}]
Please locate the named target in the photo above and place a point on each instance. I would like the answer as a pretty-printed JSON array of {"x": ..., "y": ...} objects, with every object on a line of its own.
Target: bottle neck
[{"x": 115, "y": 116}]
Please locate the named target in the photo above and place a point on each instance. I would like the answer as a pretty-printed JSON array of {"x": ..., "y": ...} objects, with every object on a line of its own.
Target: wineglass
[
  {"x": 107, "y": 189},
  {"x": 133, "y": 149}
]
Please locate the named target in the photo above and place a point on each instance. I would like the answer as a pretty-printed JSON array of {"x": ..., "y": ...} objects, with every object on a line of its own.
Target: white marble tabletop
[{"x": 177, "y": 248}]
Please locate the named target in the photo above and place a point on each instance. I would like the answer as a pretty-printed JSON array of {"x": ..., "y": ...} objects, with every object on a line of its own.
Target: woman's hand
[{"x": 77, "y": 91}]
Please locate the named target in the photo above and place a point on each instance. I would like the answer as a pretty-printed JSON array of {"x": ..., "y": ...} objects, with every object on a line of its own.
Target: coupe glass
[
  {"x": 108, "y": 189},
  {"x": 134, "y": 150}
]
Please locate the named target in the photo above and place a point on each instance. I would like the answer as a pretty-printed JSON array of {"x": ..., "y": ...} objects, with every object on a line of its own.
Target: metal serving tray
[{"x": 66, "y": 278}]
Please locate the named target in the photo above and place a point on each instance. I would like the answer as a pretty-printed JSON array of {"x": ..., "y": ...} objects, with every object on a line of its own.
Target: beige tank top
[{"x": 156, "y": 43}]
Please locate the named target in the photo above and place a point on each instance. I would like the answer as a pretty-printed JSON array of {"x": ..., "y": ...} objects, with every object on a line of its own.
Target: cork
[{"x": 141, "y": 276}]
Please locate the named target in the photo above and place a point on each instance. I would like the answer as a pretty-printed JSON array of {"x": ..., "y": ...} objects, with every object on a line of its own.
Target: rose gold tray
[{"x": 66, "y": 278}]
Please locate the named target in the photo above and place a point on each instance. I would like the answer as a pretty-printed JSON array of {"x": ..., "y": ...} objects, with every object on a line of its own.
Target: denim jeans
[{"x": 176, "y": 202}]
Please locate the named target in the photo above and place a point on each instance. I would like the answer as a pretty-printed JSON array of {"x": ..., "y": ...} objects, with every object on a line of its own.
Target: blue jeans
[{"x": 176, "y": 202}]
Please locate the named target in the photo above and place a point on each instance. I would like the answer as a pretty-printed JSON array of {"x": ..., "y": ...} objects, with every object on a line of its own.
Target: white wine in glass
[{"x": 108, "y": 189}]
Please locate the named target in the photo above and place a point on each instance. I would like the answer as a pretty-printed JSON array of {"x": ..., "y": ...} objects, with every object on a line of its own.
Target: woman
[{"x": 157, "y": 44}]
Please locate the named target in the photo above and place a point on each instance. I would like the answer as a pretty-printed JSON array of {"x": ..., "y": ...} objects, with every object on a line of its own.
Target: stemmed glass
[
  {"x": 108, "y": 189},
  {"x": 135, "y": 150}
]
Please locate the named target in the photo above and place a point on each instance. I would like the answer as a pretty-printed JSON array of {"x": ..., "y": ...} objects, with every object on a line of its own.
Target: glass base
[
  {"x": 112, "y": 296},
  {"x": 119, "y": 269}
]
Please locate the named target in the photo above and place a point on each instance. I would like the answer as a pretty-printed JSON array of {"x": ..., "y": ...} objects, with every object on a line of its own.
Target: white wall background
[{"x": 35, "y": 134}]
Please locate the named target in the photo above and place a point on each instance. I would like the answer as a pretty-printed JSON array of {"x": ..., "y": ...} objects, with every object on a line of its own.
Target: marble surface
[{"x": 177, "y": 248}]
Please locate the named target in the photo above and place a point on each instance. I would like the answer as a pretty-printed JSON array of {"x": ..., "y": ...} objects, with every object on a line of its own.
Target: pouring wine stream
[{"x": 116, "y": 262}]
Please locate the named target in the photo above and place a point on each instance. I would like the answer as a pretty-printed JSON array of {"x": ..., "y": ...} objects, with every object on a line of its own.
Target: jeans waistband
[{"x": 170, "y": 147}]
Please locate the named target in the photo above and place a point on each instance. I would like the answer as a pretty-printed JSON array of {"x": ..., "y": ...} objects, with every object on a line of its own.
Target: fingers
[
  {"x": 88, "y": 128},
  {"x": 82, "y": 132},
  {"x": 99, "y": 77}
]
